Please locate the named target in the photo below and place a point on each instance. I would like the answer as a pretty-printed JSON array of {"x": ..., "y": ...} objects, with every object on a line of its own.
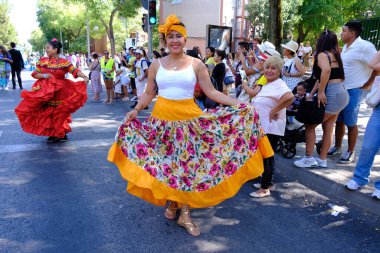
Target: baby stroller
[{"x": 294, "y": 133}]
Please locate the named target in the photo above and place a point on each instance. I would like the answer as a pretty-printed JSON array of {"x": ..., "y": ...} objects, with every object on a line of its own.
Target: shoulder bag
[{"x": 89, "y": 74}]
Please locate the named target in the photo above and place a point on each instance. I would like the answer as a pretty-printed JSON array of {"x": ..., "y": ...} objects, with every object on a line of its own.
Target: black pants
[
  {"x": 269, "y": 165},
  {"x": 133, "y": 83},
  {"x": 18, "y": 72}
]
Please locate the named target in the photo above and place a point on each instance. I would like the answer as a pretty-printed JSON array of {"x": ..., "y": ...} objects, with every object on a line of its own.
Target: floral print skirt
[{"x": 181, "y": 154}]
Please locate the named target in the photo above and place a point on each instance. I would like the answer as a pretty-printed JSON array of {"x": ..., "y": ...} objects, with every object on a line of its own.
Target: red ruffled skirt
[{"x": 46, "y": 109}]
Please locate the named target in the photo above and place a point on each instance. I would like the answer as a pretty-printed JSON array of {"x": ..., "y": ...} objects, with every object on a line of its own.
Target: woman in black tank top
[{"x": 328, "y": 70}]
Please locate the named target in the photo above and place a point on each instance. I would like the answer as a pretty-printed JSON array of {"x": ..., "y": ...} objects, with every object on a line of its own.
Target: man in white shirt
[
  {"x": 306, "y": 55},
  {"x": 141, "y": 68},
  {"x": 356, "y": 55}
]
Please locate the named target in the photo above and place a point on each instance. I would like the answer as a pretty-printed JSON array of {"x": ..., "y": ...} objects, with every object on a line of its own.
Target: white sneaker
[
  {"x": 134, "y": 98},
  {"x": 352, "y": 185},
  {"x": 376, "y": 194},
  {"x": 347, "y": 157},
  {"x": 321, "y": 163},
  {"x": 6, "y": 88},
  {"x": 125, "y": 99},
  {"x": 306, "y": 162}
]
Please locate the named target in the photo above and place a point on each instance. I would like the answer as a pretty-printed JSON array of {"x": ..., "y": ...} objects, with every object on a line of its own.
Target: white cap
[
  {"x": 265, "y": 46},
  {"x": 268, "y": 53},
  {"x": 273, "y": 52},
  {"x": 138, "y": 51}
]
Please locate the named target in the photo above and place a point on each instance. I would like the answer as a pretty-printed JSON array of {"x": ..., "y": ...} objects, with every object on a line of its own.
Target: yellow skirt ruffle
[{"x": 145, "y": 186}]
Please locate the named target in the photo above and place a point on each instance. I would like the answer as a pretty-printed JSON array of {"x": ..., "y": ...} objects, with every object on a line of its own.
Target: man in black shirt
[{"x": 17, "y": 65}]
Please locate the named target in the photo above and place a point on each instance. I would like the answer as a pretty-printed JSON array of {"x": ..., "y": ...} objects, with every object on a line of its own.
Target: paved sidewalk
[{"x": 332, "y": 179}]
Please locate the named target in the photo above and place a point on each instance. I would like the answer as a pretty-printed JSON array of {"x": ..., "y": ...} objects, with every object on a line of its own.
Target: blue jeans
[
  {"x": 371, "y": 145},
  {"x": 349, "y": 115}
]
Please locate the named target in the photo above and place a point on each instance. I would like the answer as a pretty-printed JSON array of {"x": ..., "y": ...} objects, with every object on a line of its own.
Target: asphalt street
[{"x": 66, "y": 197}]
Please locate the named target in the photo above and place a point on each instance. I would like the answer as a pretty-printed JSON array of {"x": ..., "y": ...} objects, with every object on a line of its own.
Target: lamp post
[{"x": 88, "y": 37}]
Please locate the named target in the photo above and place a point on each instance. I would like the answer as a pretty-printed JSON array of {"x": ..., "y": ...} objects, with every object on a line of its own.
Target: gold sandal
[
  {"x": 190, "y": 227},
  {"x": 171, "y": 210}
]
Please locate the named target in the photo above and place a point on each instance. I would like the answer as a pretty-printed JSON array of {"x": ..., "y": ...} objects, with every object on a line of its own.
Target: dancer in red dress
[{"x": 45, "y": 109}]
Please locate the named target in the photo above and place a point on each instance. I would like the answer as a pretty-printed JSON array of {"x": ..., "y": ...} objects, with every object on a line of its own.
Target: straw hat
[{"x": 291, "y": 45}]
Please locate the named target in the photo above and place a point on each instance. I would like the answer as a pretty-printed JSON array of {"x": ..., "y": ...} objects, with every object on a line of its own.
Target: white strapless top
[{"x": 176, "y": 84}]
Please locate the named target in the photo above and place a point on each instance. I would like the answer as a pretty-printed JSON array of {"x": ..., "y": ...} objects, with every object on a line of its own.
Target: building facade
[{"x": 197, "y": 14}]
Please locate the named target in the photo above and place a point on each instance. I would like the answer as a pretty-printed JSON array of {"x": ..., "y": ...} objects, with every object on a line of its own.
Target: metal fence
[{"x": 371, "y": 31}]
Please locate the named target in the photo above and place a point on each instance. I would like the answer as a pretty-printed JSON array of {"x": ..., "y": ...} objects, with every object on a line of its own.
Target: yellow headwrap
[{"x": 172, "y": 23}]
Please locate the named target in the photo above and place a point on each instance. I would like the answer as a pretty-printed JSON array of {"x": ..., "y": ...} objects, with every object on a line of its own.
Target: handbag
[
  {"x": 89, "y": 74},
  {"x": 373, "y": 97},
  {"x": 309, "y": 112}
]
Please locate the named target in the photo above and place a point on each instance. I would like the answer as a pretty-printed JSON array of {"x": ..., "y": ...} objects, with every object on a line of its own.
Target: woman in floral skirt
[
  {"x": 181, "y": 157},
  {"x": 96, "y": 83}
]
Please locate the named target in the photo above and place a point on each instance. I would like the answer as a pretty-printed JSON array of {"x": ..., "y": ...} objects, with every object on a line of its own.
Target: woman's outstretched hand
[
  {"x": 86, "y": 80},
  {"x": 131, "y": 115}
]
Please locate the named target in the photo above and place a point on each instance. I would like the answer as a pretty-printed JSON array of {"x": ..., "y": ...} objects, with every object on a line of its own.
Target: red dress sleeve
[
  {"x": 38, "y": 67},
  {"x": 73, "y": 70}
]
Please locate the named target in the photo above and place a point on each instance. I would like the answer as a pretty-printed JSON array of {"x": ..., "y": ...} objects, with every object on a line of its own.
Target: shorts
[
  {"x": 337, "y": 98},
  {"x": 140, "y": 88},
  {"x": 349, "y": 115},
  {"x": 105, "y": 78},
  {"x": 133, "y": 83}
]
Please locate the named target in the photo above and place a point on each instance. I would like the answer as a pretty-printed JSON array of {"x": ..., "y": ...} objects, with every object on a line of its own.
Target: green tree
[
  {"x": 37, "y": 40},
  {"x": 106, "y": 11},
  {"x": 54, "y": 21},
  {"x": 305, "y": 19},
  {"x": 7, "y": 31}
]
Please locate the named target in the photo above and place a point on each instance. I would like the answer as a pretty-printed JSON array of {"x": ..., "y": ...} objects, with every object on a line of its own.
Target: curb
[{"x": 328, "y": 187}]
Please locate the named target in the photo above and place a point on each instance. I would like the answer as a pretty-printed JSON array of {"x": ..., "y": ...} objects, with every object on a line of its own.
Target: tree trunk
[
  {"x": 111, "y": 34},
  {"x": 276, "y": 27},
  {"x": 301, "y": 34},
  {"x": 109, "y": 31}
]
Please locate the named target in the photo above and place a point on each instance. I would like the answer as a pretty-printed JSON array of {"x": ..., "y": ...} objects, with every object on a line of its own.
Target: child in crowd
[
  {"x": 199, "y": 96},
  {"x": 301, "y": 92},
  {"x": 293, "y": 108},
  {"x": 125, "y": 81},
  {"x": 117, "y": 84}
]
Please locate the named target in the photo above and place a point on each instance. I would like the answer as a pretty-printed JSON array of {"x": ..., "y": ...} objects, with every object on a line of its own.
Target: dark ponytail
[
  {"x": 328, "y": 41},
  {"x": 56, "y": 45}
]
